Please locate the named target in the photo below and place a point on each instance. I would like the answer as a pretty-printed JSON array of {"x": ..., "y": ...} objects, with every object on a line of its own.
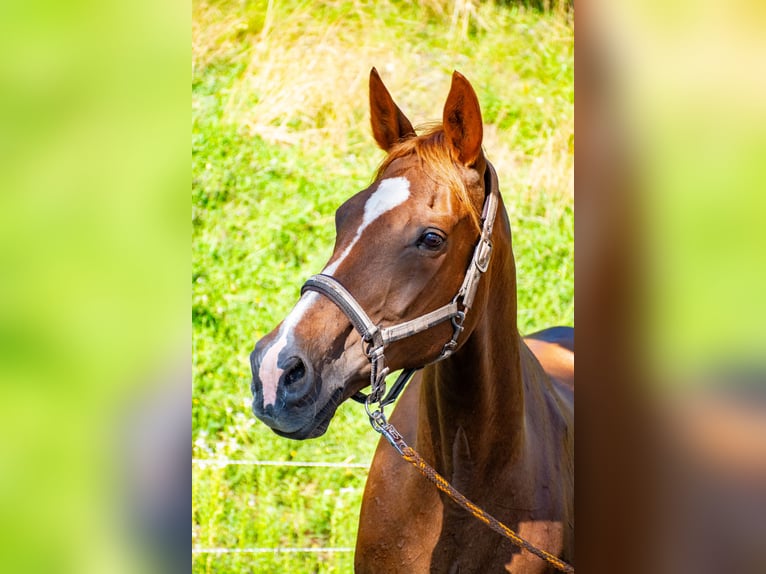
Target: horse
[{"x": 422, "y": 278}]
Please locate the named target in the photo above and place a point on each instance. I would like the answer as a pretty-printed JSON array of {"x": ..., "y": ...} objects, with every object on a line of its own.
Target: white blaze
[{"x": 390, "y": 193}]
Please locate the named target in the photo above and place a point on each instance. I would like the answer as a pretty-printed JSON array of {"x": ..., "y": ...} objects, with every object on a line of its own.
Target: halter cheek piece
[{"x": 376, "y": 337}]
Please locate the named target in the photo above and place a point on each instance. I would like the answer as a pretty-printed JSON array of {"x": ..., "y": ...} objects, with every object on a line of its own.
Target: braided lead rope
[
  {"x": 380, "y": 424},
  {"x": 411, "y": 456}
]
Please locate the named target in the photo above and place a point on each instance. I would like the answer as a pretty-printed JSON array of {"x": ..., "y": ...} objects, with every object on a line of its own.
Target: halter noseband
[{"x": 376, "y": 337}]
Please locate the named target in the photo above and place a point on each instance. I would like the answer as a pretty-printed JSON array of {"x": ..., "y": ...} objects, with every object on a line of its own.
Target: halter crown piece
[{"x": 376, "y": 337}]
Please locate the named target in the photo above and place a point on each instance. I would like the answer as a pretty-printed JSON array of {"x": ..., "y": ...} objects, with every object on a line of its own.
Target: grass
[{"x": 280, "y": 137}]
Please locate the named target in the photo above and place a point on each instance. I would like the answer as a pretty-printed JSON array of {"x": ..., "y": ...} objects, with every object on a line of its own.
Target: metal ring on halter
[
  {"x": 451, "y": 345},
  {"x": 458, "y": 320}
]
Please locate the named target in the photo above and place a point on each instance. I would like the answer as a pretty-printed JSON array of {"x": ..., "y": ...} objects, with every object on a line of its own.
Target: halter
[{"x": 376, "y": 337}]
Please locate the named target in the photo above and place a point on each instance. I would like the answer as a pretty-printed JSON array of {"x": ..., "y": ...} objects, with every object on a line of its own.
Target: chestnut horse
[{"x": 491, "y": 411}]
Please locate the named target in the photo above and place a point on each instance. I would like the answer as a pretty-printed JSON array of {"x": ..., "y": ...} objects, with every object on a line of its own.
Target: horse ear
[
  {"x": 389, "y": 124},
  {"x": 462, "y": 120}
]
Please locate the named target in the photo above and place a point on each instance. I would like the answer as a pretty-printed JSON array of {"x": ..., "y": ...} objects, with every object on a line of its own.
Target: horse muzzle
[{"x": 283, "y": 382}]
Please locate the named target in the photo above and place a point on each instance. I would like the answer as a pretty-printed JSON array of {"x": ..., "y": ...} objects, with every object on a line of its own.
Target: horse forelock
[{"x": 435, "y": 157}]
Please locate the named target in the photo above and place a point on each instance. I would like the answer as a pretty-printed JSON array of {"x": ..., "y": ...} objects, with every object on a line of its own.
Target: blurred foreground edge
[{"x": 671, "y": 476}]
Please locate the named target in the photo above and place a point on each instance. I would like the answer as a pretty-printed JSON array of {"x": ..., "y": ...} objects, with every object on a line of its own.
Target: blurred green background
[
  {"x": 94, "y": 294},
  {"x": 280, "y": 138},
  {"x": 689, "y": 107}
]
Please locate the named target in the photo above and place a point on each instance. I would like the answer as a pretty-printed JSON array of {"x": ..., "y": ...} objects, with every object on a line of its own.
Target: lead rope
[{"x": 385, "y": 428}]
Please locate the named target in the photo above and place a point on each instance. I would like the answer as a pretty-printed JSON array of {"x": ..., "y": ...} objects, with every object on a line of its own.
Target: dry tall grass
[{"x": 303, "y": 70}]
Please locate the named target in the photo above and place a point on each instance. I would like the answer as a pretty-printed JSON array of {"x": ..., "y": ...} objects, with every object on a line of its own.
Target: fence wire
[
  {"x": 270, "y": 550},
  {"x": 203, "y": 462},
  {"x": 218, "y": 462}
]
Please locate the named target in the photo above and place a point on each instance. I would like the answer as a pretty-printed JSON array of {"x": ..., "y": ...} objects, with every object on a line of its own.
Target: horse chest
[
  {"x": 406, "y": 526},
  {"x": 420, "y": 540}
]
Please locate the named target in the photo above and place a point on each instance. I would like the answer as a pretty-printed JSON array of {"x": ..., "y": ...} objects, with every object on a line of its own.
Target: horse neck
[{"x": 473, "y": 404}]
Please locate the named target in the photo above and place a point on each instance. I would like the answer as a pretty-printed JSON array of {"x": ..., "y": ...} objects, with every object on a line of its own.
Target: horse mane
[{"x": 433, "y": 151}]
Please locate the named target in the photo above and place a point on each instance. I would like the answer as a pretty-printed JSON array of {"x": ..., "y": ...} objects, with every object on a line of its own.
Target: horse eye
[{"x": 431, "y": 240}]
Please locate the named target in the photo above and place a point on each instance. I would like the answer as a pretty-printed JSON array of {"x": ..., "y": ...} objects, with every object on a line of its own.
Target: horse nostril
[{"x": 295, "y": 372}]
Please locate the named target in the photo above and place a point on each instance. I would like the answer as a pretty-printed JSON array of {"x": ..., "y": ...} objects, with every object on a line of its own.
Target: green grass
[{"x": 280, "y": 137}]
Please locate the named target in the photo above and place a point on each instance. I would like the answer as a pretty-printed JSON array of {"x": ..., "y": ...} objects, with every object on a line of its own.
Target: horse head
[{"x": 402, "y": 249}]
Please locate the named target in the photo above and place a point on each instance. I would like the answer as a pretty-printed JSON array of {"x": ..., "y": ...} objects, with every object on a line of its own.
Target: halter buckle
[{"x": 482, "y": 255}]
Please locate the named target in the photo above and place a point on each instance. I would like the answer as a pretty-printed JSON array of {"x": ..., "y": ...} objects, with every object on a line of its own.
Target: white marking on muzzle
[
  {"x": 390, "y": 193},
  {"x": 269, "y": 372}
]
